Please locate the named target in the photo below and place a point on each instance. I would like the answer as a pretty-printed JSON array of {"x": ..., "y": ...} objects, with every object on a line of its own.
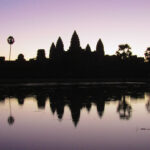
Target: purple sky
[{"x": 36, "y": 24}]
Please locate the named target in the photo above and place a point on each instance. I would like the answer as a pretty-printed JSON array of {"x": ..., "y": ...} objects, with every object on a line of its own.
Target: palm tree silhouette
[{"x": 10, "y": 41}]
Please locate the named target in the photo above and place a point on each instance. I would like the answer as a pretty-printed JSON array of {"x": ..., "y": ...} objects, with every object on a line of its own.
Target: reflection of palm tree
[
  {"x": 124, "y": 109},
  {"x": 11, "y": 119}
]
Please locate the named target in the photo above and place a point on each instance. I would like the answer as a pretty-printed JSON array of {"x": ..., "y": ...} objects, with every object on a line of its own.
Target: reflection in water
[
  {"x": 148, "y": 106},
  {"x": 75, "y": 117},
  {"x": 124, "y": 109},
  {"x": 76, "y": 98},
  {"x": 148, "y": 103},
  {"x": 10, "y": 118}
]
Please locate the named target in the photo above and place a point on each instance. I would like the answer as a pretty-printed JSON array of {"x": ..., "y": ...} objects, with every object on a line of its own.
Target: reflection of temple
[{"x": 76, "y": 98}]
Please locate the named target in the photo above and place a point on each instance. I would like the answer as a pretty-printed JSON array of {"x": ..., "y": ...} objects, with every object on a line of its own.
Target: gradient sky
[{"x": 35, "y": 24}]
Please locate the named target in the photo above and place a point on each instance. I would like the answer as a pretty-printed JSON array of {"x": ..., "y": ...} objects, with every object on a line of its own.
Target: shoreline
[{"x": 69, "y": 82}]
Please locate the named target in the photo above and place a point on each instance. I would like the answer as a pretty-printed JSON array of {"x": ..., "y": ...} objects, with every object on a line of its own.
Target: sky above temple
[{"x": 35, "y": 24}]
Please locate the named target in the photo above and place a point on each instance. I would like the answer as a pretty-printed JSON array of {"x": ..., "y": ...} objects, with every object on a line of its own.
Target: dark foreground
[{"x": 74, "y": 71}]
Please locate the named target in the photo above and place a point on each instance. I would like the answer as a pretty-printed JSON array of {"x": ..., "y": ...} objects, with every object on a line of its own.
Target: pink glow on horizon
[{"x": 36, "y": 24}]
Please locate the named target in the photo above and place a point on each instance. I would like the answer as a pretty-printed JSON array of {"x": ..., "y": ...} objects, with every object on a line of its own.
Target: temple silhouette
[{"x": 79, "y": 64}]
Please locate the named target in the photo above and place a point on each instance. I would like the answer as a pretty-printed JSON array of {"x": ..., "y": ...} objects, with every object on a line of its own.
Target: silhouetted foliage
[
  {"x": 10, "y": 40},
  {"x": 124, "y": 51},
  {"x": 21, "y": 58},
  {"x": 147, "y": 54}
]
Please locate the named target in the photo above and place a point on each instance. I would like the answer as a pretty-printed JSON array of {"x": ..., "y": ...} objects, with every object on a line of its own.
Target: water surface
[{"x": 74, "y": 118}]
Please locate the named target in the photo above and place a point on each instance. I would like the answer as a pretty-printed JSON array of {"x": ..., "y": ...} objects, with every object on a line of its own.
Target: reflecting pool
[{"x": 75, "y": 118}]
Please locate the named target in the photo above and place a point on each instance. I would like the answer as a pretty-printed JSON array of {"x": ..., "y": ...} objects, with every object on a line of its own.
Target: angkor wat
[{"x": 78, "y": 64}]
